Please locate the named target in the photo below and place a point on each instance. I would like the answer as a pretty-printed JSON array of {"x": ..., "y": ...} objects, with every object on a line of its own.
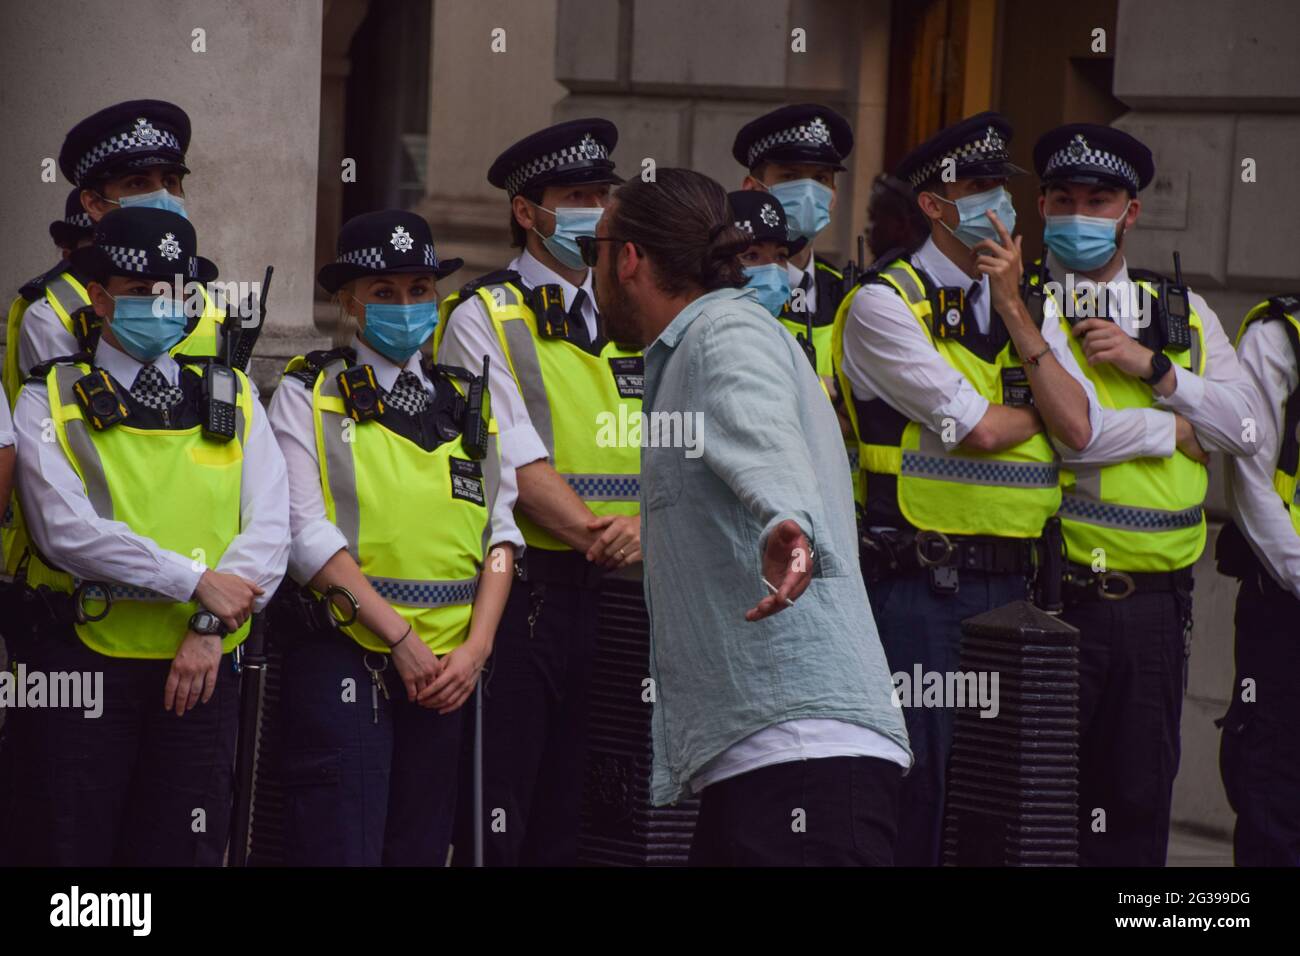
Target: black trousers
[
  {"x": 362, "y": 788},
  {"x": 536, "y": 689},
  {"x": 1132, "y": 657},
  {"x": 1259, "y": 755},
  {"x": 135, "y": 786},
  {"x": 833, "y": 811}
]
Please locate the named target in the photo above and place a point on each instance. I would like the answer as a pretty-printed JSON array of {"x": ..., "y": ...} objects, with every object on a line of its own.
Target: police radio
[
  {"x": 1034, "y": 296},
  {"x": 361, "y": 393},
  {"x": 474, "y": 429},
  {"x": 948, "y": 313},
  {"x": 547, "y": 303},
  {"x": 220, "y": 393},
  {"x": 1175, "y": 314},
  {"x": 99, "y": 399}
]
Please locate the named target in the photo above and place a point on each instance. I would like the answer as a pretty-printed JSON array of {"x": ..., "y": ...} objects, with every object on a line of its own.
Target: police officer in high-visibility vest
[
  {"x": 765, "y": 261},
  {"x": 1132, "y": 512},
  {"x": 396, "y": 496},
  {"x": 1260, "y": 750},
  {"x": 564, "y": 396},
  {"x": 159, "y": 514},
  {"x": 793, "y": 153},
  {"x": 956, "y": 399},
  {"x": 128, "y": 154}
]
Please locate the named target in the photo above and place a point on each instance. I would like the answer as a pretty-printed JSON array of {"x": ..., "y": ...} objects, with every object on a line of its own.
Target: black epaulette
[
  {"x": 39, "y": 372},
  {"x": 34, "y": 288},
  {"x": 492, "y": 278},
  {"x": 1146, "y": 275},
  {"x": 452, "y": 371},
  {"x": 317, "y": 360},
  {"x": 1281, "y": 305}
]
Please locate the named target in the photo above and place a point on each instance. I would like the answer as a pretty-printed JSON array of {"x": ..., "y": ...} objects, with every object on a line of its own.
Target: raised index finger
[{"x": 1003, "y": 236}]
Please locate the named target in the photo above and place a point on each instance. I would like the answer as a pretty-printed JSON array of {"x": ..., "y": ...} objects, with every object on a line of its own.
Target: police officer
[
  {"x": 1260, "y": 750},
  {"x": 794, "y": 153},
  {"x": 953, "y": 394},
  {"x": 765, "y": 261},
  {"x": 128, "y": 154},
  {"x": 164, "y": 491},
  {"x": 1132, "y": 505},
  {"x": 555, "y": 377},
  {"x": 399, "y": 512}
]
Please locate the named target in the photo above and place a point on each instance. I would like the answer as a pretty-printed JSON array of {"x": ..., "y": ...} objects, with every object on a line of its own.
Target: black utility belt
[
  {"x": 1081, "y": 583},
  {"x": 298, "y": 610},
  {"x": 902, "y": 552},
  {"x": 567, "y": 568}
]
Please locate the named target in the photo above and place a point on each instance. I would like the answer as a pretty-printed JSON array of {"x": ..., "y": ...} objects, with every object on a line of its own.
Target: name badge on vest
[
  {"x": 629, "y": 376},
  {"x": 467, "y": 481},
  {"x": 1015, "y": 386}
]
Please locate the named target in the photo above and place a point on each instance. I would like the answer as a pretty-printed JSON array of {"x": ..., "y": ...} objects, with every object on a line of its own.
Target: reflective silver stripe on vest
[
  {"x": 912, "y": 290},
  {"x": 339, "y": 463},
  {"x": 83, "y": 446},
  {"x": 933, "y": 461},
  {"x": 65, "y": 294},
  {"x": 528, "y": 371},
  {"x": 492, "y": 484},
  {"x": 605, "y": 487},
  {"x": 1108, "y": 515},
  {"x": 425, "y": 593}
]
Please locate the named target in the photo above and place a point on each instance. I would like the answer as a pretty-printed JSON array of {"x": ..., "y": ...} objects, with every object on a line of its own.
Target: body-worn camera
[
  {"x": 547, "y": 303},
  {"x": 99, "y": 399},
  {"x": 361, "y": 393}
]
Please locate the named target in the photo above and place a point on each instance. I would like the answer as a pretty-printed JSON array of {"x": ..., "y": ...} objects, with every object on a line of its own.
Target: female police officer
[{"x": 395, "y": 494}]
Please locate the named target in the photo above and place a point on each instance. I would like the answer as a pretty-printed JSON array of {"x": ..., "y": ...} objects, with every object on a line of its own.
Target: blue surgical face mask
[
  {"x": 1082, "y": 242},
  {"x": 570, "y": 222},
  {"x": 146, "y": 326},
  {"x": 397, "y": 331},
  {"x": 771, "y": 283},
  {"x": 158, "y": 199},
  {"x": 807, "y": 205},
  {"x": 974, "y": 225}
]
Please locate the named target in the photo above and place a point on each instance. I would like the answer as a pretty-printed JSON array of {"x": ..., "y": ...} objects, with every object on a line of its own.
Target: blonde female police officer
[
  {"x": 164, "y": 488},
  {"x": 396, "y": 492}
]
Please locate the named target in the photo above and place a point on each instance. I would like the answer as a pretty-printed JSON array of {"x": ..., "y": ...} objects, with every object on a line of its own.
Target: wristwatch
[
  {"x": 1160, "y": 364},
  {"x": 204, "y": 621}
]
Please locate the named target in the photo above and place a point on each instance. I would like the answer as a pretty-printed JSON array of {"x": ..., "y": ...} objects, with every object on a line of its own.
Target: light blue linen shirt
[{"x": 738, "y": 437}]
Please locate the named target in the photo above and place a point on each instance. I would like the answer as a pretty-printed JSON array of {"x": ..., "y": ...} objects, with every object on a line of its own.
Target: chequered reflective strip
[
  {"x": 816, "y": 133},
  {"x": 141, "y": 136},
  {"x": 854, "y": 459},
  {"x": 1077, "y": 152},
  {"x": 372, "y": 258},
  {"x": 425, "y": 593},
  {"x": 124, "y": 257},
  {"x": 588, "y": 148},
  {"x": 80, "y": 219},
  {"x": 1122, "y": 516},
  {"x": 124, "y": 592},
  {"x": 990, "y": 148},
  {"x": 429, "y": 258},
  {"x": 977, "y": 471},
  {"x": 605, "y": 487}
]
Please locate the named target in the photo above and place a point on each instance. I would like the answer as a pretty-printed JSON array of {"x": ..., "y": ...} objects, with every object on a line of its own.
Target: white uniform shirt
[
  {"x": 316, "y": 539},
  {"x": 798, "y": 275},
  {"x": 42, "y": 336},
  {"x": 6, "y": 431},
  {"x": 65, "y": 527},
  {"x": 887, "y": 355},
  {"x": 469, "y": 336},
  {"x": 1267, "y": 359}
]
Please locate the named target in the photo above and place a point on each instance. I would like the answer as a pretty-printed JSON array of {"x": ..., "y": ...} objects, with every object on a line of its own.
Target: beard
[{"x": 617, "y": 312}]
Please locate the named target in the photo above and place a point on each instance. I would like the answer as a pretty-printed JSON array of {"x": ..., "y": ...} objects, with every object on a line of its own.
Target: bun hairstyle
[{"x": 684, "y": 224}]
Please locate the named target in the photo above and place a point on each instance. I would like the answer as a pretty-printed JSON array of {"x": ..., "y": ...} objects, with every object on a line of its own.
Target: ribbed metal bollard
[
  {"x": 620, "y": 827},
  {"x": 1013, "y": 778}
]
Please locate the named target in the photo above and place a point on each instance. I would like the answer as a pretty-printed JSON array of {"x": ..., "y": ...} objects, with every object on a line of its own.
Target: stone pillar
[
  {"x": 253, "y": 101},
  {"x": 679, "y": 78},
  {"x": 1213, "y": 85},
  {"x": 480, "y": 102}
]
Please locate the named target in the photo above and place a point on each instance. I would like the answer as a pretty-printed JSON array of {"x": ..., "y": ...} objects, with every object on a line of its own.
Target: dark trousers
[
  {"x": 1131, "y": 658},
  {"x": 919, "y": 626},
  {"x": 136, "y": 786},
  {"x": 536, "y": 690},
  {"x": 832, "y": 811},
  {"x": 1260, "y": 752},
  {"x": 361, "y": 791}
]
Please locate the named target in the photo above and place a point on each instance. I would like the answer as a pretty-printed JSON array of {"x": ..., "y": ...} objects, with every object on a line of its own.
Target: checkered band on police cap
[
  {"x": 372, "y": 258},
  {"x": 81, "y": 220},
  {"x": 989, "y": 148},
  {"x": 127, "y": 258},
  {"x": 1078, "y": 152},
  {"x": 143, "y": 135},
  {"x": 586, "y": 149},
  {"x": 815, "y": 133}
]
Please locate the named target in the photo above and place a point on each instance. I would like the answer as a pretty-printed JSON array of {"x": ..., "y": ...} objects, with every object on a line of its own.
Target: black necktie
[
  {"x": 408, "y": 394},
  {"x": 578, "y": 334},
  {"x": 152, "y": 390}
]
